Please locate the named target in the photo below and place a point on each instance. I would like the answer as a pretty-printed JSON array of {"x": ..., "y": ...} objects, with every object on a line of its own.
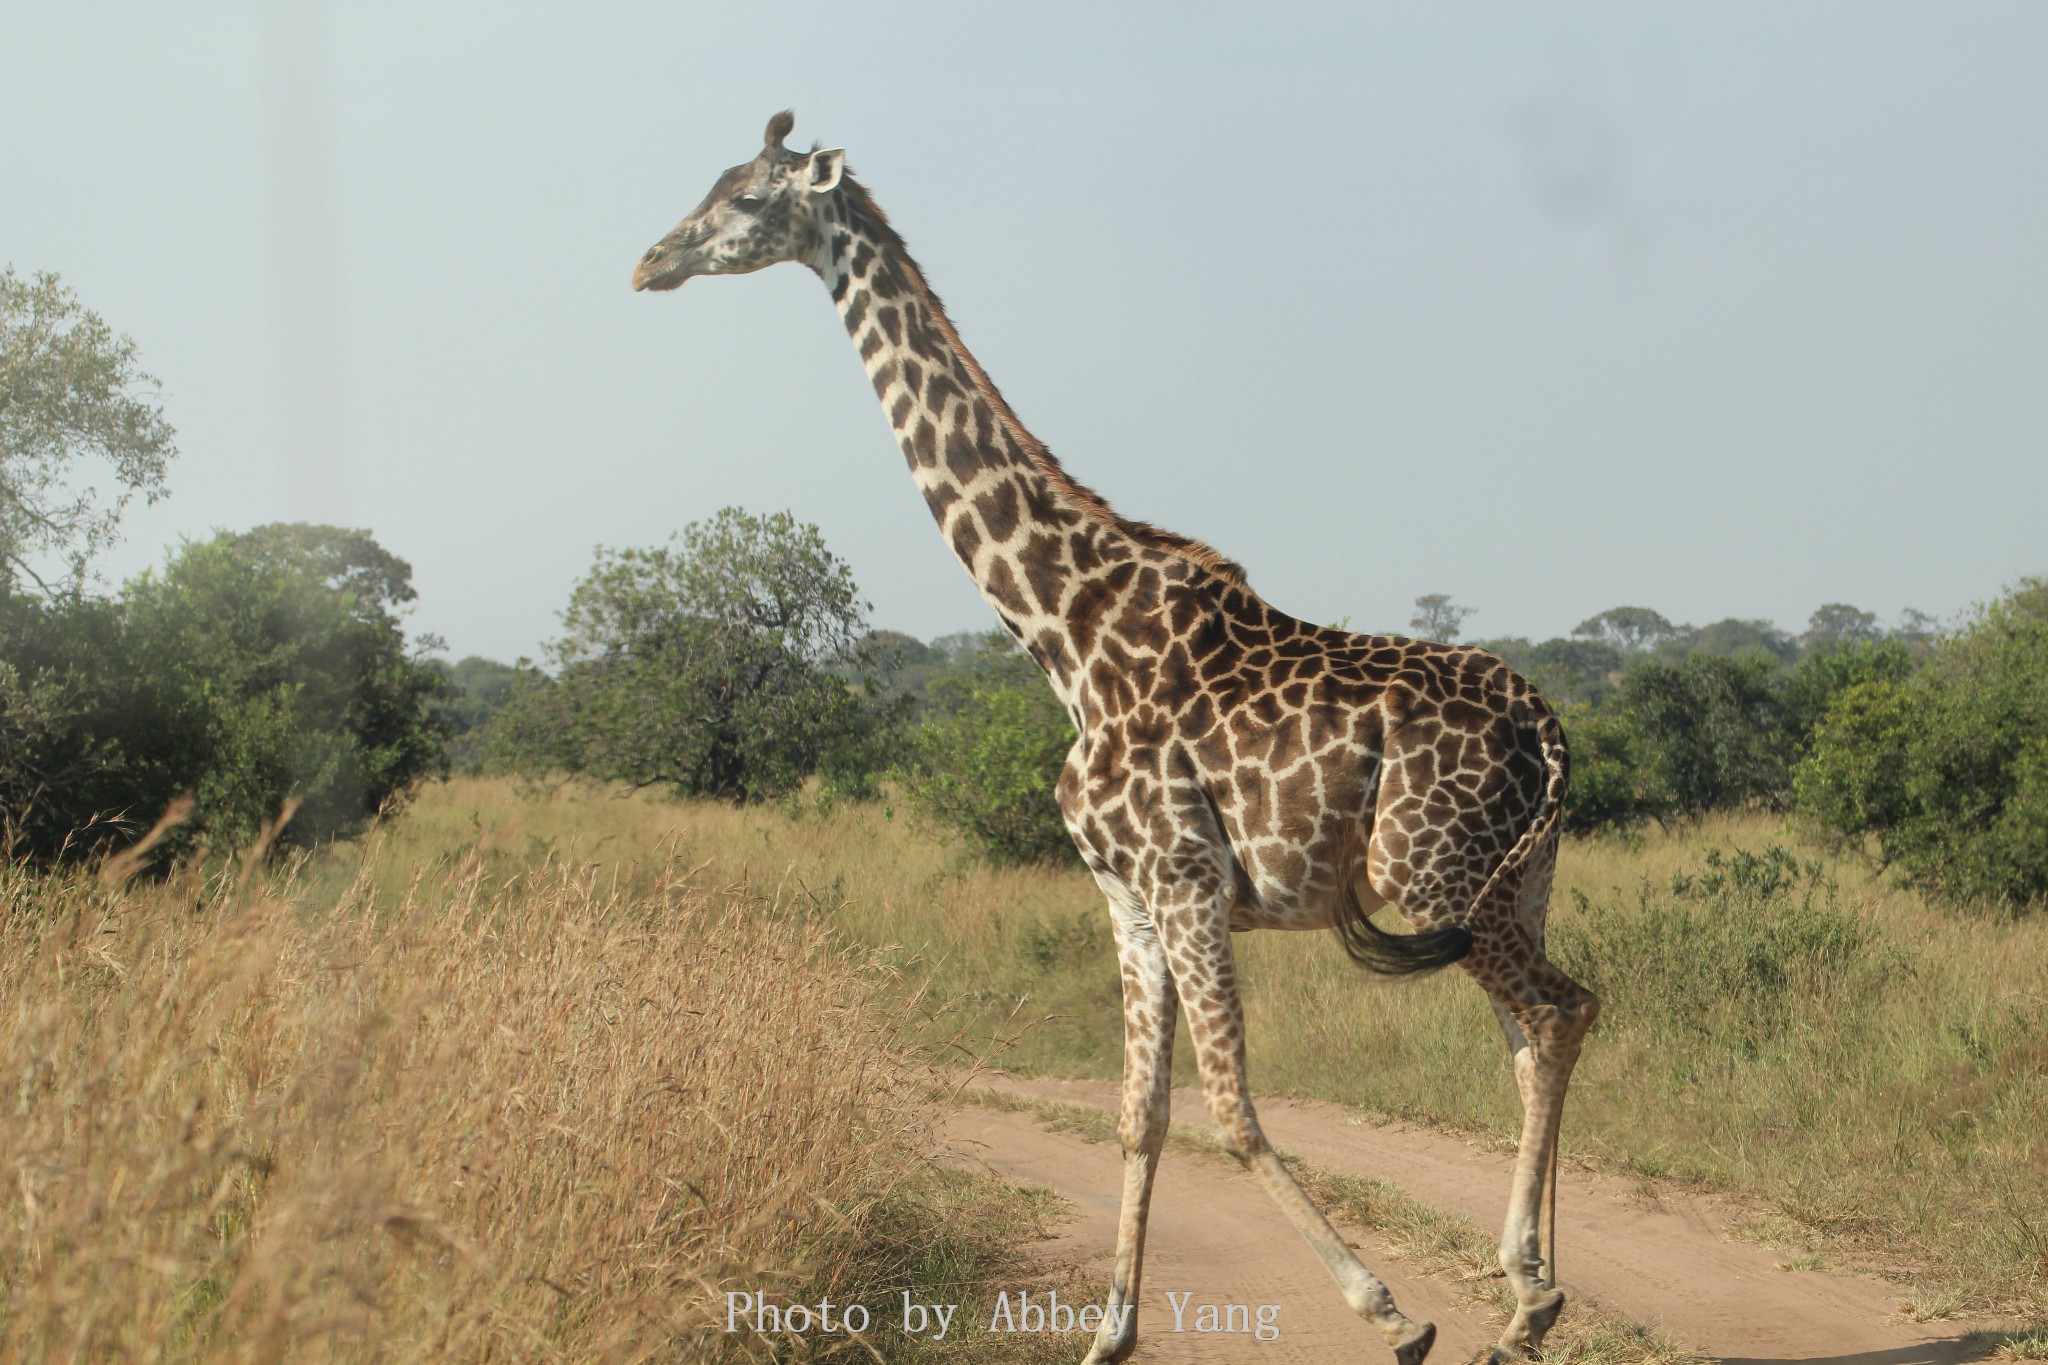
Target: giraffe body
[{"x": 1235, "y": 768}]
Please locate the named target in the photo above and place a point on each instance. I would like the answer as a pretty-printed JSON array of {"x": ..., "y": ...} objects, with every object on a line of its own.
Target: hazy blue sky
[{"x": 1719, "y": 309}]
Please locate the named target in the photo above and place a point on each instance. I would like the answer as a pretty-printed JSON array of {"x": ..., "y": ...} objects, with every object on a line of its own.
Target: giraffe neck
[{"x": 1032, "y": 539}]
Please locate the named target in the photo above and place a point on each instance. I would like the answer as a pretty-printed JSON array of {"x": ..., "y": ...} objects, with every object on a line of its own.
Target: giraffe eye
[{"x": 747, "y": 202}]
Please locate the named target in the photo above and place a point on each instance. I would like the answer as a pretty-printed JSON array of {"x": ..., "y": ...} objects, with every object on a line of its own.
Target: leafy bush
[
  {"x": 1610, "y": 782},
  {"x": 84, "y": 735},
  {"x": 983, "y": 763},
  {"x": 1948, "y": 768},
  {"x": 256, "y": 667},
  {"x": 1826, "y": 673}
]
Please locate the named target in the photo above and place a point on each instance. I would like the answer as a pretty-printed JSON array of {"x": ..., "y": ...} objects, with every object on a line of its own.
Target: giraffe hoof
[
  {"x": 1413, "y": 1348},
  {"x": 1542, "y": 1316},
  {"x": 1532, "y": 1322}
]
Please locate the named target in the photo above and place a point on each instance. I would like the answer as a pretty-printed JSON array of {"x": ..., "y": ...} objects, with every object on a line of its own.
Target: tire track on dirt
[{"x": 1664, "y": 1263}]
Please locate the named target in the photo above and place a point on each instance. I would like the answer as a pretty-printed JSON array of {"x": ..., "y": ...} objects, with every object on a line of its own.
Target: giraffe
[{"x": 1234, "y": 768}]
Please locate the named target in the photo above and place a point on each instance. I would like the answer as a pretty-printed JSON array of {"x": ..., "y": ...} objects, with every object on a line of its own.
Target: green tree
[
  {"x": 1627, "y": 629},
  {"x": 1613, "y": 783},
  {"x": 1437, "y": 617},
  {"x": 86, "y": 738},
  {"x": 1855, "y": 780},
  {"x": 1916, "y": 630},
  {"x": 285, "y": 650},
  {"x": 729, "y": 663},
  {"x": 1826, "y": 673},
  {"x": 80, "y": 434},
  {"x": 1711, "y": 732},
  {"x": 1838, "y": 623}
]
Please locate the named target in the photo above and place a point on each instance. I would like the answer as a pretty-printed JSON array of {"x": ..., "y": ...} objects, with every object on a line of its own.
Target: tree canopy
[
  {"x": 81, "y": 433},
  {"x": 1437, "y": 617},
  {"x": 1626, "y": 628},
  {"x": 728, "y": 663}
]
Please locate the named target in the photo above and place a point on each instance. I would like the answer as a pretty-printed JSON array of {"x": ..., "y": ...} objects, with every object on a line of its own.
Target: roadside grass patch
[{"x": 461, "y": 1107}]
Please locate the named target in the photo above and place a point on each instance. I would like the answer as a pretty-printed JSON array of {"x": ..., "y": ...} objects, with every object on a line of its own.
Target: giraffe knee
[
  {"x": 1142, "y": 1134},
  {"x": 1237, "y": 1130},
  {"x": 1588, "y": 1010},
  {"x": 1557, "y": 1028}
]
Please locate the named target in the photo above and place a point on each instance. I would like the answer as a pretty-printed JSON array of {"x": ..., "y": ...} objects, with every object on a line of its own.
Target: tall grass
[
  {"x": 1873, "y": 1070},
  {"x": 453, "y": 1108}
]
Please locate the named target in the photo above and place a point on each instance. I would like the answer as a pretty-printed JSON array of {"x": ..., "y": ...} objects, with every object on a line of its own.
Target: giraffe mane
[{"x": 1084, "y": 499}]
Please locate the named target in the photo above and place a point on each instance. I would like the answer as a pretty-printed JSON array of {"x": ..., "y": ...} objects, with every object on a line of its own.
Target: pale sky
[{"x": 1723, "y": 310}]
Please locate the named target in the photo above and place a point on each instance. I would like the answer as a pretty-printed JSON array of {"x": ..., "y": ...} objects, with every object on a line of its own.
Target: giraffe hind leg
[{"x": 1549, "y": 1014}]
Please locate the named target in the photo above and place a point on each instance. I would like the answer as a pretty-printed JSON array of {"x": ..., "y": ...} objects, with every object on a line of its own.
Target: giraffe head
[{"x": 760, "y": 212}]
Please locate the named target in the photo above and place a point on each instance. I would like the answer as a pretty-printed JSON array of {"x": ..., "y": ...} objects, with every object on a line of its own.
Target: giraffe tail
[
  {"x": 1389, "y": 954},
  {"x": 1381, "y": 951}
]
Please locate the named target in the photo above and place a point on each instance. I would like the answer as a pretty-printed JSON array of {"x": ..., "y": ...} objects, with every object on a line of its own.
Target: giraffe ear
[{"x": 826, "y": 168}]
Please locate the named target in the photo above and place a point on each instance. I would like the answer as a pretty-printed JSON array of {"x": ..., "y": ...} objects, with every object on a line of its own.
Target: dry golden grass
[
  {"x": 1896, "y": 1122},
  {"x": 427, "y": 1107}
]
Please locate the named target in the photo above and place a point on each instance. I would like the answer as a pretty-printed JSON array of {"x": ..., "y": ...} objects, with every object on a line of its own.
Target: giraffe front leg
[
  {"x": 1198, "y": 944},
  {"x": 1150, "y": 1009}
]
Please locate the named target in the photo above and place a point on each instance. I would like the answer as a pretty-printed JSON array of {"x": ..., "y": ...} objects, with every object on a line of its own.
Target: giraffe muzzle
[
  {"x": 672, "y": 260},
  {"x": 658, "y": 273}
]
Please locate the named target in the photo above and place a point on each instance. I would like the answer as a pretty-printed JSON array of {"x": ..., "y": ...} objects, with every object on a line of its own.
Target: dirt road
[{"x": 1216, "y": 1237}]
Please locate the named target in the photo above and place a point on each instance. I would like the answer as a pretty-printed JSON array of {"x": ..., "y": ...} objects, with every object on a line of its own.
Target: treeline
[
  {"x": 1927, "y": 749},
  {"x": 738, "y": 663}
]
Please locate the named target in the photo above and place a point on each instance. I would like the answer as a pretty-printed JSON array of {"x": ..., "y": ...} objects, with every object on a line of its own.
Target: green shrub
[
  {"x": 1611, "y": 786},
  {"x": 1711, "y": 732},
  {"x": 1854, "y": 781},
  {"x": 983, "y": 763},
  {"x": 256, "y": 667},
  {"x": 1827, "y": 673},
  {"x": 1730, "y": 956},
  {"x": 1948, "y": 768}
]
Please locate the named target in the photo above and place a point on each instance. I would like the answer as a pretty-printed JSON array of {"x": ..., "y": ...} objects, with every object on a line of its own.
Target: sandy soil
[{"x": 1659, "y": 1260}]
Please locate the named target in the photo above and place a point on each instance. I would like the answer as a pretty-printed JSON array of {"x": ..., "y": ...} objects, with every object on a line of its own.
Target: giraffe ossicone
[{"x": 1235, "y": 768}]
